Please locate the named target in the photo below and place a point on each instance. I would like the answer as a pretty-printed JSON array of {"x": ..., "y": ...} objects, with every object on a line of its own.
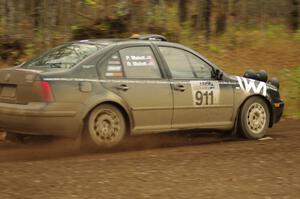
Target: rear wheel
[
  {"x": 105, "y": 127},
  {"x": 254, "y": 118}
]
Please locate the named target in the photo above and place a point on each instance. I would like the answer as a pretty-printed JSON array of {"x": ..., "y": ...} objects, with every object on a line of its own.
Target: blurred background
[{"x": 235, "y": 34}]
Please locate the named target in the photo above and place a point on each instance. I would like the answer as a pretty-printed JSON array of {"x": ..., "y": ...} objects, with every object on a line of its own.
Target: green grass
[
  {"x": 295, "y": 115},
  {"x": 290, "y": 90}
]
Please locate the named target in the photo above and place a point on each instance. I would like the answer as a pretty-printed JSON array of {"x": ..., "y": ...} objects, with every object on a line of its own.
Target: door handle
[
  {"x": 179, "y": 87},
  {"x": 122, "y": 87}
]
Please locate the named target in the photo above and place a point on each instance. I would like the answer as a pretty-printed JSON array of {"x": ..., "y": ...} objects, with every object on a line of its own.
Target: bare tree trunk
[
  {"x": 136, "y": 10},
  {"x": 198, "y": 17},
  {"x": 67, "y": 19},
  {"x": 244, "y": 12},
  {"x": 37, "y": 14},
  {"x": 221, "y": 21},
  {"x": 232, "y": 12},
  {"x": 107, "y": 7},
  {"x": 294, "y": 15},
  {"x": 163, "y": 8},
  {"x": 3, "y": 12},
  {"x": 154, "y": 2},
  {"x": 153, "y": 5},
  {"x": 10, "y": 17},
  {"x": 207, "y": 19},
  {"x": 182, "y": 10},
  {"x": 262, "y": 14}
]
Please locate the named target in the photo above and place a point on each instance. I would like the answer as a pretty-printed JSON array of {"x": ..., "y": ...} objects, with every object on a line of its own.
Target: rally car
[{"x": 105, "y": 89}]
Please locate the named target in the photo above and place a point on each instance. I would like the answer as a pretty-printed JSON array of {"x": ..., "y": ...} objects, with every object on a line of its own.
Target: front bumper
[
  {"x": 39, "y": 118},
  {"x": 278, "y": 108}
]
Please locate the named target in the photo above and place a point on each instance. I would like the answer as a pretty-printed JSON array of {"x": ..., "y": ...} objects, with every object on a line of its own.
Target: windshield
[{"x": 64, "y": 57}]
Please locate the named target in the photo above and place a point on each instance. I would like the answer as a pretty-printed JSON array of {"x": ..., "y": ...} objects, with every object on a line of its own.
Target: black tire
[
  {"x": 105, "y": 128},
  {"x": 254, "y": 118}
]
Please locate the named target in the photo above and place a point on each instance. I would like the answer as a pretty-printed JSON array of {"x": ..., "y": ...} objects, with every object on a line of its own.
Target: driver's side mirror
[{"x": 218, "y": 74}]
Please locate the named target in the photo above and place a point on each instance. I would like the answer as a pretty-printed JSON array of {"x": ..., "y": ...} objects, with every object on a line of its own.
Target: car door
[
  {"x": 134, "y": 74},
  {"x": 199, "y": 99}
]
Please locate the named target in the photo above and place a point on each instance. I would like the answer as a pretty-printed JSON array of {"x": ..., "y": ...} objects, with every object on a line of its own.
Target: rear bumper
[
  {"x": 278, "y": 108},
  {"x": 61, "y": 119}
]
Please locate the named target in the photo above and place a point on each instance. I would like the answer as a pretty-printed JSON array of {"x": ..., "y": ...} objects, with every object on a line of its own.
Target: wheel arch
[
  {"x": 119, "y": 107},
  {"x": 267, "y": 101},
  {"x": 114, "y": 101}
]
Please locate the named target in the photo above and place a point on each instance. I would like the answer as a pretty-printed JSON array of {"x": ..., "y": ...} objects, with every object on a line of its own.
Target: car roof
[
  {"x": 142, "y": 39},
  {"x": 109, "y": 42}
]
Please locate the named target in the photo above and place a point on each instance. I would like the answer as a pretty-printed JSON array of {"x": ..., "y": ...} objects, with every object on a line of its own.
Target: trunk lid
[{"x": 19, "y": 85}]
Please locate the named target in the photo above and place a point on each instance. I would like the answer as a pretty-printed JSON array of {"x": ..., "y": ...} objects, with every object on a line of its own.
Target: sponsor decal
[
  {"x": 139, "y": 58},
  {"x": 252, "y": 86},
  {"x": 143, "y": 60},
  {"x": 205, "y": 93},
  {"x": 114, "y": 74},
  {"x": 88, "y": 66},
  {"x": 115, "y": 57},
  {"x": 114, "y": 68},
  {"x": 114, "y": 62}
]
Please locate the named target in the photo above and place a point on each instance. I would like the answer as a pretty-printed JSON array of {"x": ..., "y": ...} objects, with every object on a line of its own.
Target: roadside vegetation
[{"x": 291, "y": 80}]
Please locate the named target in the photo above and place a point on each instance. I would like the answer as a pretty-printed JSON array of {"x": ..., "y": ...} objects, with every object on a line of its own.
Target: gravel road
[{"x": 181, "y": 165}]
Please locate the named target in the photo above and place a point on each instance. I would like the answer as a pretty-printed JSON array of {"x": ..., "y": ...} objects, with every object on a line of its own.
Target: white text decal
[{"x": 250, "y": 85}]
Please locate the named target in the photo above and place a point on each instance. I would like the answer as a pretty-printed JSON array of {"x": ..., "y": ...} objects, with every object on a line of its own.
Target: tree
[
  {"x": 294, "y": 15},
  {"x": 10, "y": 16},
  {"x": 221, "y": 20},
  {"x": 182, "y": 10},
  {"x": 2, "y": 12},
  {"x": 154, "y": 2},
  {"x": 207, "y": 18}
]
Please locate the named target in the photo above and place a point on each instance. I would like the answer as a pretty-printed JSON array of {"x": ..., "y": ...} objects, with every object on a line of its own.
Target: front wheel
[
  {"x": 105, "y": 127},
  {"x": 254, "y": 118}
]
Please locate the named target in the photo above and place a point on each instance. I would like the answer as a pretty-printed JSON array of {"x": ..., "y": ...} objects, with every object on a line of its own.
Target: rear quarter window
[{"x": 114, "y": 68}]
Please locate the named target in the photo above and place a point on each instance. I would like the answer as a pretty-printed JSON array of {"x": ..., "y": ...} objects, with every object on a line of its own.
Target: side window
[
  {"x": 201, "y": 69},
  {"x": 139, "y": 62},
  {"x": 184, "y": 64},
  {"x": 114, "y": 67},
  {"x": 178, "y": 62}
]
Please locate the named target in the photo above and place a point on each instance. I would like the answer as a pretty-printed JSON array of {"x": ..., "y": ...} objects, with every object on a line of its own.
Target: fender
[
  {"x": 106, "y": 97},
  {"x": 247, "y": 88}
]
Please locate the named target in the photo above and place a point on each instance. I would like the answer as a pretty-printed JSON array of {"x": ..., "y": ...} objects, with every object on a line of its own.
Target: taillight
[{"x": 46, "y": 91}]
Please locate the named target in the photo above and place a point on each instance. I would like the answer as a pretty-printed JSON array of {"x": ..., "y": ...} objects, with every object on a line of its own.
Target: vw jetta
[{"x": 106, "y": 89}]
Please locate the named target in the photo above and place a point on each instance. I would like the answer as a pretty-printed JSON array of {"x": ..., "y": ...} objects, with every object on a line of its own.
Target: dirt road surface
[{"x": 185, "y": 165}]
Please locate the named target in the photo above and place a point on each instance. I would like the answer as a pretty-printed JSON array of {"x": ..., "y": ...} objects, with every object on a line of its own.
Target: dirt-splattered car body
[{"x": 134, "y": 75}]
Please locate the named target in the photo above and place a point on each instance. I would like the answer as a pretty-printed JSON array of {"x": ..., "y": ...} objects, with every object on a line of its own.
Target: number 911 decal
[{"x": 205, "y": 93}]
